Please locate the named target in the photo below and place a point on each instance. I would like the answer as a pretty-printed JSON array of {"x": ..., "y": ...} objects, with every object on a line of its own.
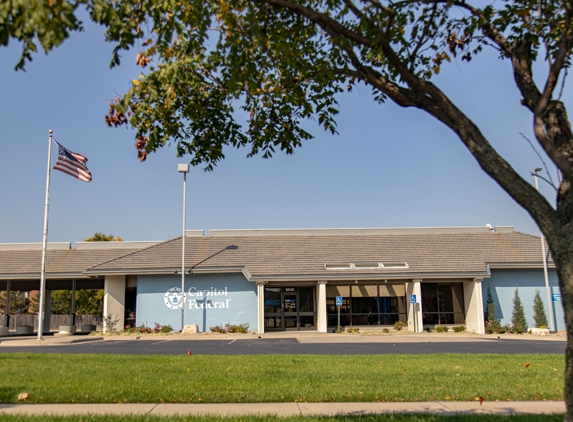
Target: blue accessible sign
[
  {"x": 556, "y": 297},
  {"x": 412, "y": 298},
  {"x": 338, "y": 300}
]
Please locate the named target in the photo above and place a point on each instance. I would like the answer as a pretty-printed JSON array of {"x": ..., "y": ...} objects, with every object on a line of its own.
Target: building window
[
  {"x": 442, "y": 303},
  {"x": 366, "y": 304}
]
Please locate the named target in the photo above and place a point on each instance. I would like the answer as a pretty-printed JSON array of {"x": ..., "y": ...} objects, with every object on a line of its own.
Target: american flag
[{"x": 73, "y": 164}]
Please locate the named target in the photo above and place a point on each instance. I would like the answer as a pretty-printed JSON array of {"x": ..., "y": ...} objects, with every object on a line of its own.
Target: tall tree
[
  {"x": 284, "y": 61},
  {"x": 100, "y": 237}
]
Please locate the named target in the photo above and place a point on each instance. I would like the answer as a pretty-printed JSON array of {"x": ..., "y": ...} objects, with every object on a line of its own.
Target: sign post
[
  {"x": 338, "y": 305},
  {"x": 414, "y": 301}
]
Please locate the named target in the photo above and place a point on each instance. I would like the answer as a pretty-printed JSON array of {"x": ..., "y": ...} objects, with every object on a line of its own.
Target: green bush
[
  {"x": 442, "y": 329},
  {"x": 231, "y": 328},
  {"x": 353, "y": 330},
  {"x": 427, "y": 329},
  {"x": 398, "y": 325},
  {"x": 385, "y": 330},
  {"x": 459, "y": 328}
]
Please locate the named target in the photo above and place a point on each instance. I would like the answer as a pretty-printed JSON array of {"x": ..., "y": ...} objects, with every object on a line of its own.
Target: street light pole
[
  {"x": 547, "y": 288},
  {"x": 183, "y": 168}
]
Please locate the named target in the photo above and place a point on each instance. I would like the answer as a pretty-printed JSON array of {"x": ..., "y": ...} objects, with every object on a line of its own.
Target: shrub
[
  {"x": 385, "y": 330},
  {"x": 337, "y": 331},
  {"x": 442, "y": 329},
  {"x": 162, "y": 328},
  {"x": 231, "y": 328},
  {"x": 539, "y": 311},
  {"x": 518, "y": 315},
  {"x": 109, "y": 323},
  {"x": 492, "y": 327},
  {"x": 427, "y": 329},
  {"x": 459, "y": 328},
  {"x": 237, "y": 328},
  {"x": 353, "y": 330},
  {"x": 398, "y": 325}
]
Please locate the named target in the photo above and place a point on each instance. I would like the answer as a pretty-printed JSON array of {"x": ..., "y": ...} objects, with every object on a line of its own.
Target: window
[
  {"x": 366, "y": 304},
  {"x": 442, "y": 303}
]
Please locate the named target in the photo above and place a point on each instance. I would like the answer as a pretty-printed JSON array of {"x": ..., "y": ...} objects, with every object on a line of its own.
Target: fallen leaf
[
  {"x": 23, "y": 396},
  {"x": 527, "y": 365},
  {"x": 189, "y": 353},
  {"x": 481, "y": 399}
]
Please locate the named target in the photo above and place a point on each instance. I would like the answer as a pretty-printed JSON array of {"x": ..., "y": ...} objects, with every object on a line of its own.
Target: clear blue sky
[{"x": 388, "y": 167}]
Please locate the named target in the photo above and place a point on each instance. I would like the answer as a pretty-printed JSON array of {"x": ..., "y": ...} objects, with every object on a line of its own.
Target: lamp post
[
  {"x": 183, "y": 168},
  {"x": 547, "y": 289}
]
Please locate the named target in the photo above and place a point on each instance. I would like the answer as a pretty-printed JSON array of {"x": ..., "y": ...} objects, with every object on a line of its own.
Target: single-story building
[{"x": 289, "y": 279}]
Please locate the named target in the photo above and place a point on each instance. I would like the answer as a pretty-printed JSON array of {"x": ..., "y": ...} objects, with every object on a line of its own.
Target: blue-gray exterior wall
[
  {"x": 240, "y": 293},
  {"x": 503, "y": 283}
]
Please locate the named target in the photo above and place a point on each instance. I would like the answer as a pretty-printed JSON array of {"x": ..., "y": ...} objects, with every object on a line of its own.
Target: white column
[
  {"x": 261, "y": 307},
  {"x": 321, "y": 320},
  {"x": 114, "y": 300},
  {"x": 473, "y": 300},
  {"x": 415, "y": 321}
]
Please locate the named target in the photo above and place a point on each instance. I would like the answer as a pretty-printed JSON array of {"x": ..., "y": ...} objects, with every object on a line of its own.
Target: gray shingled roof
[
  {"x": 304, "y": 254},
  {"x": 59, "y": 262}
]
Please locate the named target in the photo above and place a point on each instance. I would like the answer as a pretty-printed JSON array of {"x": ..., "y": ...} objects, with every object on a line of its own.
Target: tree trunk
[{"x": 563, "y": 258}]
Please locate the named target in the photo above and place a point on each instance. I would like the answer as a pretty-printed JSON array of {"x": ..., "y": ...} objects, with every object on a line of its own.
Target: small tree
[
  {"x": 490, "y": 306},
  {"x": 88, "y": 302},
  {"x": 61, "y": 302},
  {"x": 19, "y": 302},
  {"x": 539, "y": 311},
  {"x": 518, "y": 315}
]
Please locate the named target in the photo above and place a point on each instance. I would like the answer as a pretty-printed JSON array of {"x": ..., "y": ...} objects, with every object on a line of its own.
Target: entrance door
[{"x": 290, "y": 311}]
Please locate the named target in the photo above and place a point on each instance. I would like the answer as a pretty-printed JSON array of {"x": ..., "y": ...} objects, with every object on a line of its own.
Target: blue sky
[{"x": 388, "y": 167}]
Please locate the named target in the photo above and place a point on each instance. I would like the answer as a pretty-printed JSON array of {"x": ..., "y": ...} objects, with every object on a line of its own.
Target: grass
[
  {"x": 362, "y": 418},
  {"x": 53, "y": 378}
]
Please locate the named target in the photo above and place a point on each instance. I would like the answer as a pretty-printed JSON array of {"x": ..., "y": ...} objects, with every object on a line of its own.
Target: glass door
[
  {"x": 273, "y": 309},
  {"x": 290, "y": 311}
]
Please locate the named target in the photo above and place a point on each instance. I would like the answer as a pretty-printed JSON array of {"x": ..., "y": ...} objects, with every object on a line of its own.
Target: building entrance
[{"x": 290, "y": 308}]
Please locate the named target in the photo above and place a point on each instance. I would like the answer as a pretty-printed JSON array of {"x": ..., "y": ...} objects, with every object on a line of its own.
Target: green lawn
[
  {"x": 368, "y": 418},
  {"x": 59, "y": 378}
]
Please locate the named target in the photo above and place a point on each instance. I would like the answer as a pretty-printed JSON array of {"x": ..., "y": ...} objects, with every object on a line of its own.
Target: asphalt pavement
[{"x": 288, "y": 343}]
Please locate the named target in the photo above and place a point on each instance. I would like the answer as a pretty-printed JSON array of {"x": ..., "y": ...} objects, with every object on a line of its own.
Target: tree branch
[{"x": 324, "y": 21}]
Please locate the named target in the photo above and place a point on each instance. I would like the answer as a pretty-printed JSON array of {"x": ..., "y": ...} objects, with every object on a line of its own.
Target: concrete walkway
[
  {"x": 301, "y": 336},
  {"x": 288, "y": 409}
]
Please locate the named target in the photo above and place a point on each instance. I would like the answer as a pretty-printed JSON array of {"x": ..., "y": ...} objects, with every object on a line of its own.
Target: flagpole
[{"x": 45, "y": 243}]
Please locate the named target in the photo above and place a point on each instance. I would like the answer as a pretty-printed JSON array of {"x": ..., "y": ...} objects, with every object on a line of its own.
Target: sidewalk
[
  {"x": 301, "y": 336},
  {"x": 288, "y": 409}
]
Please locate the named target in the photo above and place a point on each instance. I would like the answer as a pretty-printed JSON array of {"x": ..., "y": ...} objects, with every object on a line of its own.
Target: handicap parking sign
[
  {"x": 338, "y": 300},
  {"x": 412, "y": 298}
]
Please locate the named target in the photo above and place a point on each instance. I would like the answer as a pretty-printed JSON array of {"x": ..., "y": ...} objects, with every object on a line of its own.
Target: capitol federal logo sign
[
  {"x": 173, "y": 298},
  {"x": 198, "y": 299}
]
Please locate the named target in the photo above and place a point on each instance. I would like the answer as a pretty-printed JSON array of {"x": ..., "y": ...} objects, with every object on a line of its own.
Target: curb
[{"x": 48, "y": 342}]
